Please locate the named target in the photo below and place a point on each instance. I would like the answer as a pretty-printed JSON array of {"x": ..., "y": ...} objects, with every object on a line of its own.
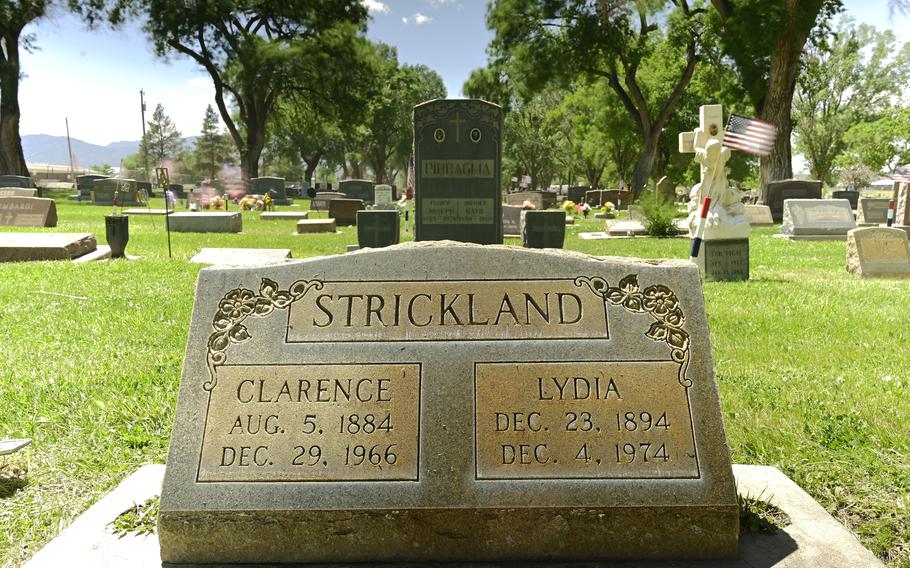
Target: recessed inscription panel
[
  {"x": 312, "y": 423},
  {"x": 628, "y": 420},
  {"x": 448, "y": 310},
  {"x": 451, "y": 211},
  {"x": 883, "y": 250}
]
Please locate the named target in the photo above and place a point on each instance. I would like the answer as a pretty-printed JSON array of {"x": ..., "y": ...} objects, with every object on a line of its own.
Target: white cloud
[
  {"x": 441, "y": 3},
  {"x": 375, "y": 6},
  {"x": 417, "y": 19}
]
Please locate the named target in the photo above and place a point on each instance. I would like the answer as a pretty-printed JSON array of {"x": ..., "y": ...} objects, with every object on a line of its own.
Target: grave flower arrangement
[
  {"x": 608, "y": 209},
  {"x": 527, "y": 205},
  {"x": 569, "y": 206}
]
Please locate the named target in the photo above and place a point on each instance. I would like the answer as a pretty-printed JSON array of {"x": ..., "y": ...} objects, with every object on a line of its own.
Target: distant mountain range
[{"x": 45, "y": 149}]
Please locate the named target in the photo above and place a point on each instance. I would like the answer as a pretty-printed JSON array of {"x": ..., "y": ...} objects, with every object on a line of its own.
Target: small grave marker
[
  {"x": 878, "y": 252},
  {"x": 28, "y": 212}
]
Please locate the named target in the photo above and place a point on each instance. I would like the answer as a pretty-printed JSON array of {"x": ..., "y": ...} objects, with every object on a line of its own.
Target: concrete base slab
[
  {"x": 147, "y": 212},
  {"x": 812, "y": 237},
  {"x": 241, "y": 256},
  {"x": 103, "y": 252},
  {"x": 813, "y": 538},
  {"x": 206, "y": 222}
]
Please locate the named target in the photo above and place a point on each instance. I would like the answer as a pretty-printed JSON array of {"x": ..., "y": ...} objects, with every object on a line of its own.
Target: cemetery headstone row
[{"x": 776, "y": 192}]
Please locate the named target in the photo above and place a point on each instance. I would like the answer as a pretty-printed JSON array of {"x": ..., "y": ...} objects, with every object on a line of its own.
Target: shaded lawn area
[{"x": 812, "y": 365}]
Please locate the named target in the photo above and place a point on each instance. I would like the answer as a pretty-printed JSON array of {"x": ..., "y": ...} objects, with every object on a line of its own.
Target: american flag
[{"x": 749, "y": 135}]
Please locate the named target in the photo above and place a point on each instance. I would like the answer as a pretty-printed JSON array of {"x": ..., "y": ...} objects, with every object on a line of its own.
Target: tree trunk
[
  {"x": 645, "y": 163},
  {"x": 12, "y": 159},
  {"x": 311, "y": 165}
]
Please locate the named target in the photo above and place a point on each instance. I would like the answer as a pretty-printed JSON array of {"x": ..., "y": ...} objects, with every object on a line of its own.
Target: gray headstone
[
  {"x": 811, "y": 217},
  {"x": 84, "y": 184},
  {"x": 383, "y": 196},
  {"x": 872, "y": 210},
  {"x": 543, "y": 229},
  {"x": 274, "y": 186},
  {"x": 458, "y": 153},
  {"x": 178, "y": 190},
  {"x": 511, "y": 220},
  {"x": 621, "y": 199},
  {"x": 480, "y": 434},
  {"x": 539, "y": 199},
  {"x": 18, "y": 192},
  {"x": 321, "y": 201},
  {"x": 851, "y": 196},
  {"x": 206, "y": 222},
  {"x": 776, "y": 192},
  {"x": 724, "y": 260},
  {"x": 759, "y": 215},
  {"x": 28, "y": 212},
  {"x": 127, "y": 192},
  {"x": 378, "y": 228},
  {"x": 576, "y": 194},
  {"x": 344, "y": 211},
  {"x": 878, "y": 252},
  {"x": 902, "y": 204},
  {"x": 316, "y": 226},
  {"x": 45, "y": 246},
  {"x": 16, "y": 181},
  {"x": 361, "y": 189},
  {"x": 666, "y": 189}
]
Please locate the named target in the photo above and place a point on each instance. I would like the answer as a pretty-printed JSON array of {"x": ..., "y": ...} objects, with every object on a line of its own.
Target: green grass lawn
[{"x": 813, "y": 367}]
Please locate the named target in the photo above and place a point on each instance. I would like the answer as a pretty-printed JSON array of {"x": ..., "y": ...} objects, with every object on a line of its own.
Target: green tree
[
  {"x": 847, "y": 79},
  {"x": 881, "y": 145},
  {"x": 213, "y": 147},
  {"x": 548, "y": 40},
  {"x": 255, "y": 50},
  {"x": 530, "y": 145},
  {"x": 765, "y": 40},
  {"x": 298, "y": 132},
  {"x": 162, "y": 140}
]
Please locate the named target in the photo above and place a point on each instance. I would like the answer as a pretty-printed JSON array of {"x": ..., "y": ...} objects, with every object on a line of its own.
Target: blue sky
[{"x": 93, "y": 77}]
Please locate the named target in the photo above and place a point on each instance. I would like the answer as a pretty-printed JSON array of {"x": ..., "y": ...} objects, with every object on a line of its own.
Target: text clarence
[{"x": 358, "y": 311}]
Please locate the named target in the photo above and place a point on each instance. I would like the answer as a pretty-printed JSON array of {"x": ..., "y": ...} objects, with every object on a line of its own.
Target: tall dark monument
[{"x": 457, "y": 150}]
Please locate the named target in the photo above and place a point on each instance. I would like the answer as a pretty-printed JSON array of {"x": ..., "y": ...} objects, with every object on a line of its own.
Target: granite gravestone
[
  {"x": 18, "y": 192},
  {"x": 851, "y": 196},
  {"x": 16, "y": 181},
  {"x": 178, "y": 190},
  {"x": 511, "y": 220},
  {"x": 878, "y": 252},
  {"x": 872, "y": 211},
  {"x": 206, "y": 222},
  {"x": 448, "y": 402},
  {"x": 458, "y": 151},
  {"x": 316, "y": 226},
  {"x": 814, "y": 219},
  {"x": 45, "y": 246},
  {"x": 539, "y": 199},
  {"x": 284, "y": 215},
  {"x": 902, "y": 206},
  {"x": 759, "y": 215},
  {"x": 383, "y": 197},
  {"x": 126, "y": 189},
  {"x": 344, "y": 211},
  {"x": 361, "y": 189},
  {"x": 28, "y": 212},
  {"x": 775, "y": 192},
  {"x": 621, "y": 199},
  {"x": 241, "y": 256},
  {"x": 666, "y": 189},
  {"x": 321, "y": 201},
  {"x": 576, "y": 194},
  {"x": 84, "y": 185},
  {"x": 543, "y": 229},
  {"x": 273, "y": 186},
  {"x": 378, "y": 228}
]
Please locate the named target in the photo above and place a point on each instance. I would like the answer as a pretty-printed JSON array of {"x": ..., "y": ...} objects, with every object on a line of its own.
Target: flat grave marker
[
  {"x": 878, "y": 252},
  {"x": 241, "y": 256},
  {"x": 458, "y": 156},
  {"x": 316, "y": 226},
  {"x": 28, "y": 212},
  {"x": 284, "y": 215},
  {"x": 448, "y": 402},
  {"x": 759, "y": 215}
]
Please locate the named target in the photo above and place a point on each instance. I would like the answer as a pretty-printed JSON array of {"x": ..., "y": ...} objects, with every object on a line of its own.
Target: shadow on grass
[{"x": 11, "y": 480}]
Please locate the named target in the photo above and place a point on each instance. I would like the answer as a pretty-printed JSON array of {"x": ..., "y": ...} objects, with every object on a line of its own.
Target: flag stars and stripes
[{"x": 749, "y": 135}]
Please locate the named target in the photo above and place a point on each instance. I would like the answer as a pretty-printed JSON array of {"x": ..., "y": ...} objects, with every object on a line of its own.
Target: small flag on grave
[
  {"x": 700, "y": 230},
  {"x": 749, "y": 135}
]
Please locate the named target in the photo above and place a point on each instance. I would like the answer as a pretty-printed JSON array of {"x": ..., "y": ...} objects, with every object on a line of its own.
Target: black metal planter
[{"x": 117, "y": 228}]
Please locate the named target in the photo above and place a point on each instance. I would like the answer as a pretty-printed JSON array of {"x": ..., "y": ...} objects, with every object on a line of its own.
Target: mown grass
[{"x": 813, "y": 368}]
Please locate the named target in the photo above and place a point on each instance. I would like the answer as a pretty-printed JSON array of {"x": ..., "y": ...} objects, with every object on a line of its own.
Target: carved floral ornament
[{"x": 658, "y": 301}]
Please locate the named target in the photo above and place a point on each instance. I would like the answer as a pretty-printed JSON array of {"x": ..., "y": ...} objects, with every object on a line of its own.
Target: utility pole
[
  {"x": 145, "y": 151},
  {"x": 69, "y": 148}
]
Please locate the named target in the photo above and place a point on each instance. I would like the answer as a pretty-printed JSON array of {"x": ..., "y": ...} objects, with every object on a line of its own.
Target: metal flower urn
[{"x": 117, "y": 228}]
